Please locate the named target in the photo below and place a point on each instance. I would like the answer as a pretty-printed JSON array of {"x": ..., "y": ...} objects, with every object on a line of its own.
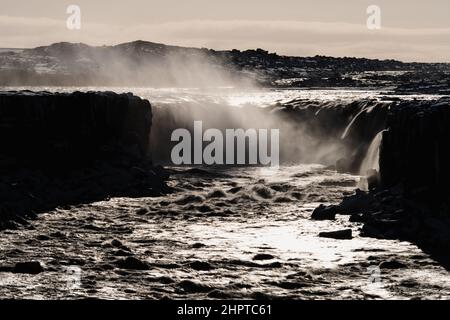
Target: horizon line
[{"x": 224, "y": 50}]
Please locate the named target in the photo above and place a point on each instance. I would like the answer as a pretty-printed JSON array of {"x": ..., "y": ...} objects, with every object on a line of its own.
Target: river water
[{"x": 224, "y": 233}]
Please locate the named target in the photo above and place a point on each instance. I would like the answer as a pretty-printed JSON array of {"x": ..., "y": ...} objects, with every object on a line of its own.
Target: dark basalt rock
[
  {"x": 340, "y": 234},
  {"x": 72, "y": 129},
  {"x": 32, "y": 267},
  {"x": 410, "y": 201},
  {"x": 263, "y": 256},
  {"x": 324, "y": 213},
  {"x": 62, "y": 149},
  {"x": 415, "y": 149}
]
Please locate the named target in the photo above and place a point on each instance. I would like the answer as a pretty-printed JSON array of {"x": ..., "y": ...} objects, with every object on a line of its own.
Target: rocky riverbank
[
  {"x": 65, "y": 149},
  {"x": 410, "y": 201}
]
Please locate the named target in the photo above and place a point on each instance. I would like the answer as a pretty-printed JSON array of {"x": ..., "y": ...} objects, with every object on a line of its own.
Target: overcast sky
[{"x": 412, "y": 30}]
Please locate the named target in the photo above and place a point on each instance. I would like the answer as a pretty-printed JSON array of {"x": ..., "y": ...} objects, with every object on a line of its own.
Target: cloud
[{"x": 281, "y": 36}]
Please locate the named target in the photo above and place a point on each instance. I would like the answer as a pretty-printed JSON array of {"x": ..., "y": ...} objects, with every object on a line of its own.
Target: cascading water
[
  {"x": 371, "y": 160},
  {"x": 370, "y": 166},
  {"x": 349, "y": 126}
]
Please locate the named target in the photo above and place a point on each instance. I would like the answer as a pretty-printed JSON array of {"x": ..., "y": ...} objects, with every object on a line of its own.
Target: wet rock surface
[
  {"x": 324, "y": 213},
  {"x": 388, "y": 214},
  {"x": 33, "y": 267},
  {"x": 340, "y": 234}
]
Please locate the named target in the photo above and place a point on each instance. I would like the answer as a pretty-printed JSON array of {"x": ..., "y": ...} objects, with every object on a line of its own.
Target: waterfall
[
  {"x": 371, "y": 160},
  {"x": 351, "y": 123}
]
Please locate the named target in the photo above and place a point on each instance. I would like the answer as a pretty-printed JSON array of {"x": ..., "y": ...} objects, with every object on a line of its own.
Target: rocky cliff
[
  {"x": 64, "y": 149},
  {"x": 412, "y": 201},
  {"x": 41, "y": 128},
  {"x": 415, "y": 148}
]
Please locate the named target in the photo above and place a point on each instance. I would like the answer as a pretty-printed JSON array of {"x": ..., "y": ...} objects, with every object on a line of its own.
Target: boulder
[
  {"x": 263, "y": 256},
  {"x": 340, "y": 234},
  {"x": 324, "y": 213},
  {"x": 32, "y": 267}
]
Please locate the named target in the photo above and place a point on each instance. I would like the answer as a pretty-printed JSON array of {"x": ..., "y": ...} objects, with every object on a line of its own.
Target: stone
[
  {"x": 263, "y": 256},
  {"x": 340, "y": 234},
  {"x": 68, "y": 149},
  {"x": 357, "y": 203},
  {"x": 198, "y": 245},
  {"x": 33, "y": 267},
  {"x": 324, "y": 213}
]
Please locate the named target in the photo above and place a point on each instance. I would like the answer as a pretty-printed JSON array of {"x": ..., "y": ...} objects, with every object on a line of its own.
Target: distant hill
[{"x": 153, "y": 64}]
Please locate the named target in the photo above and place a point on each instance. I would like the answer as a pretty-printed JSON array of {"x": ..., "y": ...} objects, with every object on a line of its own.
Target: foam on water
[{"x": 238, "y": 243}]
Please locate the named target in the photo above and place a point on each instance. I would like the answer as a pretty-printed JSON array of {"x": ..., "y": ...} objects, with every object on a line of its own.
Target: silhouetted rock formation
[
  {"x": 65, "y": 149},
  {"x": 412, "y": 201},
  {"x": 45, "y": 129},
  {"x": 415, "y": 150}
]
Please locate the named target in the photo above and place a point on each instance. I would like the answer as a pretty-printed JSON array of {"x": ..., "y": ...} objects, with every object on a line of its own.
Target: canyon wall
[
  {"x": 59, "y": 149},
  {"x": 415, "y": 149},
  {"x": 65, "y": 130}
]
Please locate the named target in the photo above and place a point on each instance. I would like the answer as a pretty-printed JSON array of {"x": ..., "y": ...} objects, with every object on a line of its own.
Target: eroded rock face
[
  {"x": 412, "y": 202},
  {"x": 415, "y": 150},
  {"x": 62, "y": 149},
  {"x": 70, "y": 129}
]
